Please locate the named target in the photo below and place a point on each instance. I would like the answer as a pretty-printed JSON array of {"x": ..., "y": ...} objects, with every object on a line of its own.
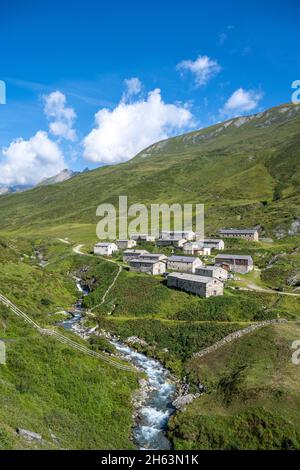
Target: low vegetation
[
  {"x": 252, "y": 398},
  {"x": 50, "y": 389}
]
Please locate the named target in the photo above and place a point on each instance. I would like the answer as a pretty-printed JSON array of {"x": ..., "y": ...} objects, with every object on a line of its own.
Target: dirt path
[
  {"x": 64, "y": 241},
  {"x": 77, "y": 249},
  {"x": 256, "y": 288}
]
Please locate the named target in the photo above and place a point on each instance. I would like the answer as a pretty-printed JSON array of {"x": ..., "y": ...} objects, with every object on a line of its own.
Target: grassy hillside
[
  {"x": 246, "y": 171},
  {"x": 252, "y": 399},
  {"x": 48, "y": 388}
]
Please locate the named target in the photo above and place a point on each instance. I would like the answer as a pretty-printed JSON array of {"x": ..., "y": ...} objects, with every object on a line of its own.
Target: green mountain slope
[
  {"x": 252, "y": 398},
  {"x": 246, "y": 171}
]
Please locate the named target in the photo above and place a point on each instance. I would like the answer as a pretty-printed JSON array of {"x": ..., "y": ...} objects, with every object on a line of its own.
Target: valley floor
[{"x": 251, "y": 398}]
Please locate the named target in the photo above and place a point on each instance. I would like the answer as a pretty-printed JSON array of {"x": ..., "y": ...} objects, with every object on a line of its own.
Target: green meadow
[{"x": 246, "y": 175}]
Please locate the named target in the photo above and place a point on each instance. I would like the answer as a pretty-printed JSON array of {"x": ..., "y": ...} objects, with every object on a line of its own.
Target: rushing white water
[{"x": 155, "y": 405}]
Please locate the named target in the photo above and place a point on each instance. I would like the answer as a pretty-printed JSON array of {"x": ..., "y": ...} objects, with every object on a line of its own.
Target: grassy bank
[{"x": 252, "y": 399}]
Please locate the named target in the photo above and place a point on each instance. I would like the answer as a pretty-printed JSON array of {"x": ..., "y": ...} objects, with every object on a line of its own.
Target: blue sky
[{"x": 210, "y": 61}]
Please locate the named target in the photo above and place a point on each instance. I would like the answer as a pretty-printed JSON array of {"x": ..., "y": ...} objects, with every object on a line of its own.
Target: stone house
[
  {"x": 202, "y": 286},
  {"x": 236, "y": 263},
  {"x": 105, "y": 248},
  {"x": 142, "y": 237},
  {"x": 125, "y": 244},
  {"x": 148, "y": 266},
  {"x": 132, "y": 254},
  {"x": 246, "y": 234},
  {"x": 177, "y": 234},
  {"x": 154, "y": 256},
  {"x": 213, "y": 243},
  {"x": 185, "y": 264},
  {"x": 194, "y": 248},
  {"x": 177, "y": 243},
  {"x": 212, "y": 271}
]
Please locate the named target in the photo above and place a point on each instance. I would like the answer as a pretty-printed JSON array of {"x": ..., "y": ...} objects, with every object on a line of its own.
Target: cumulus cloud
[
  {"x": 27, "y": 162},
  {"x": 133, "y": 87},
  {"x": 62, "y": 117},
  {"x": 126, "y": 130},
  {"x": 203, "y": 68},
  {"x": 241, "y": 101}
]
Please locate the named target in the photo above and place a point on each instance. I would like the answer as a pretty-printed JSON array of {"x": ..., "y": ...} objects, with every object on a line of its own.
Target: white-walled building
[
  {"x": 105, "y": 248},
  {"x": 202, "y": 286},
  {"x": 125, "y": 244},
  {"x": 153, "y": 267},
  {"x": 195, "y": 248},
  {"x": 212, "y": 271},
  {"x": 185, "y": 264}
]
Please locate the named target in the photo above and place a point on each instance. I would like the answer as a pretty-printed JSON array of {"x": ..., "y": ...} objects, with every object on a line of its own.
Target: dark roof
[
  {"x": 131, "y": 252},
  {"x": 104, "y": 244},
  {"x": 237, "y": 230},
  {"x": 152, "y": 255},
  {"x": 145, "y": 261},
  {"x": 227, "y": 256},
  {"x": 209, "y": 268},
  {"x": 193, "y": 277},
  {"x": 182, "y": 259},
  {"x": 210, "y": 240}
]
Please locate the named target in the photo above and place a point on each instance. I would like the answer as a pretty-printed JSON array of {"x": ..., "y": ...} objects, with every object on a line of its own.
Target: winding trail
[
  {"x": 66, "y": 242},
  {"x": 254, "y": 287},
  {"x": 61, "y": 338},
  {"x": 77, "y": 249}
]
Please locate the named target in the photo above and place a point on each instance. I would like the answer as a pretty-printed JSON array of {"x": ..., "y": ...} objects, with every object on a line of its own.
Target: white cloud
[
  {"x": 134, "y": 87},
  {"x": 203, "y": 69},
  {"x": 27, "y": 162},
  {"x": 126, "y": 130},
  {"x": 62, "y": 117},
  {"x": 241, "y": 101}
]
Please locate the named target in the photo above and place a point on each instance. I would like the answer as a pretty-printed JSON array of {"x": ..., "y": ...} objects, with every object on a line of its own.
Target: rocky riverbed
[{"x": 157, "y": 397}]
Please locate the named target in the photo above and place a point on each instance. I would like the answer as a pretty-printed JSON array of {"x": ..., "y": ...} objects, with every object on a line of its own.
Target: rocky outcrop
[
  {"x": 136, "y": 340},
  {"x": 29, "y": 435},
  {"x": 180, "y": 402},
  {"x": 294, "y": 281}
]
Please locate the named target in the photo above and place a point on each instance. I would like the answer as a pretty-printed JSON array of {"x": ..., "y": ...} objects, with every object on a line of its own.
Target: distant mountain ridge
[
  {"x": 246, "y": 171},
  {"x": 14, "y": 189},
  {"x": 64, "y": 175}
]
